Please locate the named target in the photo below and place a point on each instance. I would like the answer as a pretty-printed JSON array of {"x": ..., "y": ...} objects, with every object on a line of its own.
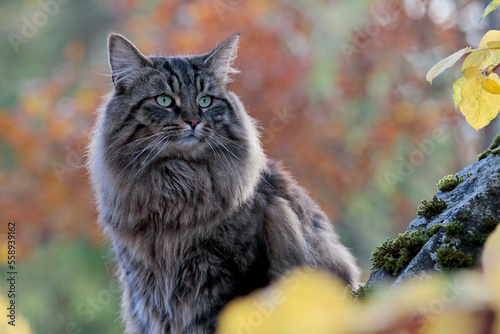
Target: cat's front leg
[{"x": 200, "y": 309}]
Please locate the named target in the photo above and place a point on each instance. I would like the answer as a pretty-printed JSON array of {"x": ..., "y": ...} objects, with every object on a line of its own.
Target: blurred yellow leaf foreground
[{"x": 311, "y": 302}]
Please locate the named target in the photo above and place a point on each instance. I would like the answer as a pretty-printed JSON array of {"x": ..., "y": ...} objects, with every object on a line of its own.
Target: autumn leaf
[
  {"x": 491, "y": 86},
  {"x": 457, "y": 91},
  {"x": 446, "y": 63},
  {"x": 471, "y": 72},
  {"x": 490, "y": 263},
  {"x": 480, "y": 59},
  {"x": 491, "y": 7},
  {"x": 304, "y": 301},
  {"x": 493, "y": 45},
  {"x": 489, "y": 259},
  {"x": 478, "y": 105}
]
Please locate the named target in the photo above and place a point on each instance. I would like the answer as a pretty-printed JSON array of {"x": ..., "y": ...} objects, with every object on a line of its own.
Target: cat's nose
[{"x": 193, "y": 122}]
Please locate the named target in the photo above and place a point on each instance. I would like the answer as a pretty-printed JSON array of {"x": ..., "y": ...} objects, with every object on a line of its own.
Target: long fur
[{"x": 196, "y": 215}]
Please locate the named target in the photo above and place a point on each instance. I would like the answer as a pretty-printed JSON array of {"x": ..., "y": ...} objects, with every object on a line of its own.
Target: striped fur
[{"x": 196, "y": 215}]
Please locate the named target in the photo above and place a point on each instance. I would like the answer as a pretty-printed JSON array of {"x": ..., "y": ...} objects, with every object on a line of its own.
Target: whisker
[
  {"x": 228, "y": 150},
  {"x": 140, "y": 140},
  {"x": 138, "y": 155},
  {"x": 215, "y": 153},
  {"x": 226, "y": 139},
  {"x": 228, "y": 162},
  {"x": 234, "y": 155},
  {"x": 150, "y": 160}
]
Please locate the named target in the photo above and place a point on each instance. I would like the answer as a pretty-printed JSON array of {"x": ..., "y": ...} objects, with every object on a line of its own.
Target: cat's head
[
  {"x": 171, "y": 129},
  {"x": 174, "y": 107}
]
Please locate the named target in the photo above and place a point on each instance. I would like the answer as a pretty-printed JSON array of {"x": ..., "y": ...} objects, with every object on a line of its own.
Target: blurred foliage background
[{"x": 338, "y": 87}]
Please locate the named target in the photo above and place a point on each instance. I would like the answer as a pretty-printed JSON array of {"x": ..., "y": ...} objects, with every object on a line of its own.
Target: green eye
[
  {"x": 164, "y": 100},
  {"x": 205, "y": 101}
]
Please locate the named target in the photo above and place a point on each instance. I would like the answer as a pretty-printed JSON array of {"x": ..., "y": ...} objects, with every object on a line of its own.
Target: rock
[{"x": 472, "y": 212}]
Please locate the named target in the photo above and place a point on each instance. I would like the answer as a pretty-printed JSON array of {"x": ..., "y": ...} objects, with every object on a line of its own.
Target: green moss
[
  {"x": 451, "y": 258},
  {"x": 361, "y": 294},
  {"x": 477, "y": 239},
  {"x": 493, "y": 192},
  {"x": 434, "y": 229},
  {"x": 463, "y": 217},
  {"x": 450, "y": 182},
  {"x": 493, "y": 149},
  {"x": 431, "y": 208},
  {"x": 483, "y": 155},
  {"x": 454, "y": 229},
  {"x": 395, "y": 254}
]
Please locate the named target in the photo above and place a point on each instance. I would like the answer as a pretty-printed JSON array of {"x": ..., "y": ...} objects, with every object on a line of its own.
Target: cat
[{"x": 195, "y": 211}]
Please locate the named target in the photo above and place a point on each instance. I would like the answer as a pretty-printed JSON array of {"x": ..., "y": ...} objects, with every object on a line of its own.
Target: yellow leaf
[
  {"x": 303, "y": 301},
  {"x": 480, "y": 59},
  {"x": 457, "y": 90},
  {"x": 471, "y": 72},
  {"x": 490, "y": 85},
  {"x": 446, "y": 63},
  {"x": 490, "y": 262},
  {"x": 492, "y": 35},
  {"x": 490, "y": 259},
  {"x": 493, "y": 45},
  {"x": 479, "y": 106},
  {"x": 491, "y": 7},
  {"x": 458, "y": 322}
]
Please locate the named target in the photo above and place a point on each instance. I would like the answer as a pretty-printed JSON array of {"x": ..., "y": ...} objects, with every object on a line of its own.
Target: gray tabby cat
[{"x": 195, "y": 211}]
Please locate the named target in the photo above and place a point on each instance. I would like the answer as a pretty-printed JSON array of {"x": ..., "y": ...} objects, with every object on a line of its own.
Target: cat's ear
[
  {"x": 124, "y": 59},
  {"x": 220, "y": 61}
]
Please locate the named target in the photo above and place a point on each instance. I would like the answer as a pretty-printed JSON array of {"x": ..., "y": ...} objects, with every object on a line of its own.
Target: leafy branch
[{"x": 477, "y": 92}]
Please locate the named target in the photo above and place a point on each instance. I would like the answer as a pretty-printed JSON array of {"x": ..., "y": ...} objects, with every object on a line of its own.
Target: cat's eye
[
  {"x": 205, "y": 101},
  {"x": 164, "y": 100}
]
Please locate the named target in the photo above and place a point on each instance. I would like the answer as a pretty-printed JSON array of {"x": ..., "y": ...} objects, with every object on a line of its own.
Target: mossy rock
[
  {"x": 361, "y": 294},
  {"x": 493, "y": 149},
  {"x": 431, "y": 208},
  {"x": 451, "y": 258},
  {"x": 450, "y": 182},
  {"x": 395, "y": 254},
  {"x": 468, "y": 211}
]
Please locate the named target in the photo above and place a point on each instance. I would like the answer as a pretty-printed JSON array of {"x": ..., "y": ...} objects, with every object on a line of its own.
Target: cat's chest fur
[
  {"x": 173, "y": 195},
  {"x": 167, "y": 271}
]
